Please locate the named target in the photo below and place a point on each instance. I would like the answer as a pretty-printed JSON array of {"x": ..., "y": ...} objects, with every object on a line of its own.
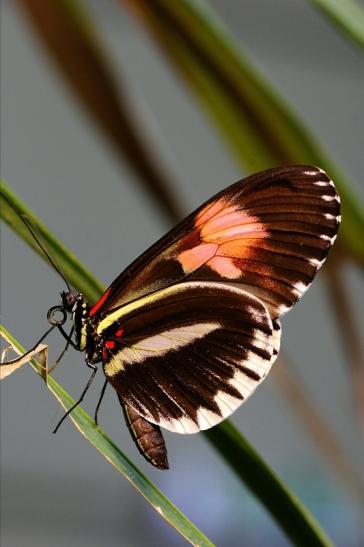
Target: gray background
[{"x": 57, "y": 490}]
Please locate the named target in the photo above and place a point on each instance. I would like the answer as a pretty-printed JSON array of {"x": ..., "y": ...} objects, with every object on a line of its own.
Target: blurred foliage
[
  {"x": 347, "y": 15},
  {"x": 70, "y": 38},
  {"x": 256, "y": 123}
]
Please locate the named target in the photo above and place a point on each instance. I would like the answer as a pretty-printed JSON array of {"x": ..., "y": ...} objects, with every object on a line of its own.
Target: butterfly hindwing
[
  {"x": 187, "y": 356},
  {"x": 268, "y": 233}
]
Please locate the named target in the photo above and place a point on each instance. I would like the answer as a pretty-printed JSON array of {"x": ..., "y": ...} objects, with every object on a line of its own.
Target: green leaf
[
  {"x": 76, "y": 274},
  {"x": 108, "y": 449},
  {"x": 297, "y": 522},
  {"x": 257, "y": 124},
  {"x": 347, "y": 15},
  {"x": 70, "y": 38},
  {"x": 289, "y": 513}
]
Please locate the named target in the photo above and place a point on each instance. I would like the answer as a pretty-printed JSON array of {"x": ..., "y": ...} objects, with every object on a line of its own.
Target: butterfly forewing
[
  {"x": 190, "y": 354},
  {"x": 268, "y": 233}
]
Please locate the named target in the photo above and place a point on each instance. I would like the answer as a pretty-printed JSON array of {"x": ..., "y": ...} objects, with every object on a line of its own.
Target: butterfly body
[
  {"x": 189, "y": 330},
  {"x": 147, "y": 436}
]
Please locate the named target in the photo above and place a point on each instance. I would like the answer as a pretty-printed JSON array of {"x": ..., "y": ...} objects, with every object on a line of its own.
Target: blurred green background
[{"x": 57, "y": 490}]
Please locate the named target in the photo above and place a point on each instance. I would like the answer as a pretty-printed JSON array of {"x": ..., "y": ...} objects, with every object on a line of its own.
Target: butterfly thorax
[{"x": 86, "y": 337}]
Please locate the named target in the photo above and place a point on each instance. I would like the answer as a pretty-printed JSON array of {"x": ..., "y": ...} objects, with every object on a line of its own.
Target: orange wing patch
[{"x": 225, "y": 233}]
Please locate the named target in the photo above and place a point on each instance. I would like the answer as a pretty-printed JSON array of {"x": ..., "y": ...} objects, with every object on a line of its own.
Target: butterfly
[{"x": 190, "y": 329}]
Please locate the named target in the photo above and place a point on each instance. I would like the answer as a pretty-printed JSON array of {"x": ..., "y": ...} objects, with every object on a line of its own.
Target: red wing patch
[
  {"x": 270, "y": 238},
  {"x": 99, "y": 303},
  {"x": 223, "y": 231}
]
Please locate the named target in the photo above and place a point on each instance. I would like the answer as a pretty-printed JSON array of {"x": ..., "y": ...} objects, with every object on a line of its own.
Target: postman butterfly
[{"x": 190, "y": 329}]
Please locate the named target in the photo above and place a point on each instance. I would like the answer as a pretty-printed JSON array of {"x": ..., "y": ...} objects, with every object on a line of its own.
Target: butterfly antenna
[{"x": 31, "y": 229}]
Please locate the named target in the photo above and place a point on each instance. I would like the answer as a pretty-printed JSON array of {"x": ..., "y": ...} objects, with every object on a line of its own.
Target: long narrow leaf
[
  {"x": 72, "y": 269},
  {"x": 347, "y": 15},
  {"x": 70, "y": 38},
  {"x": 108, "y": 449},
  {"x": 202, "y": 49},
  {"x": 285, "y": 507},
  {"x": 241, "y": 457}
]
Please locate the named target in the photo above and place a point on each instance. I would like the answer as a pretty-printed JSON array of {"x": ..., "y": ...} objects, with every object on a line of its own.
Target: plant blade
[
  {"x": 348, "y": 16},
  {"x": 108, "y": 449},
  {"x": 299, "y": 525}
]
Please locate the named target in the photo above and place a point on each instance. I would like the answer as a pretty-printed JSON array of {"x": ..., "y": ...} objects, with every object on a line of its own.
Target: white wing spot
[
  {"x": 226, "y": 403},
  {"x": 183, "y": 425},
  {"x": 261, "y": 340},
  {"x": 322, "y": 183},
  {"x": 327, "y": 238},
  {"x": 207, "y": 418},
  {"x": 315, "y": 262},
  {"x": 300, "y": 288},
  {"x": 256, "y": 363},
  {"x": 282, "y": 309},
  {"x": 310, "y": 172}
]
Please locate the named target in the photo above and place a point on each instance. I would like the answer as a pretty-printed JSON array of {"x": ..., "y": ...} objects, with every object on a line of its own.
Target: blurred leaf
[
  {"x": 299, "y": 525},
  {"x": 347, "y": 15},
  {"x": 257, "y": 124},
  {"x": 338, "y": 458},
  {"x": 349, "y": 329},
  {"x": 67, "y": 33},
  {"x": 72, "y": 269},
  {"x": 98, "y": 438},
  {"x": 291, "y": 515}
]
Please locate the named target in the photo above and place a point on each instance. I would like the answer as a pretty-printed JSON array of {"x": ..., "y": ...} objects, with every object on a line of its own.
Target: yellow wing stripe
[
  {"x": 152, "y": 298},
  {"x": 138, "y": 304}
]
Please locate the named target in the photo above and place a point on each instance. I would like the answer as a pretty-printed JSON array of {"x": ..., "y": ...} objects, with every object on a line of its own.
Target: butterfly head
[
  {"x": 57, "y": 315},
  {"x": 69, "y": 300}
]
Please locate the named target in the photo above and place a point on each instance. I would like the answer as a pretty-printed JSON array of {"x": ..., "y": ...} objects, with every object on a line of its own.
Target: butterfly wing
[
  {"x": 190, "y": 328},
  {"x": 269, "y": 234},
  {"x": 187, "y": 356}
]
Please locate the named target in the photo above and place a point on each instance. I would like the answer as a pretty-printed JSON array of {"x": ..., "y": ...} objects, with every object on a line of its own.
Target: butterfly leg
[
  {"x": 61, "y": 355},
  {"x": 68, "y": 337},
  {"x": 100, "y": 401},
  {"x": 94, "y": 370}
]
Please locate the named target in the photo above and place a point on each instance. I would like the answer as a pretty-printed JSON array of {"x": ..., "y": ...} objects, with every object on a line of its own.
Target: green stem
[{"x": 108, "y": 449}]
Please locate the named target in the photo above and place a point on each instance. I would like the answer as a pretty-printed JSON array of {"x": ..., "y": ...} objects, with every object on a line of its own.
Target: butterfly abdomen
[{"x": 147, "y": 436}]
